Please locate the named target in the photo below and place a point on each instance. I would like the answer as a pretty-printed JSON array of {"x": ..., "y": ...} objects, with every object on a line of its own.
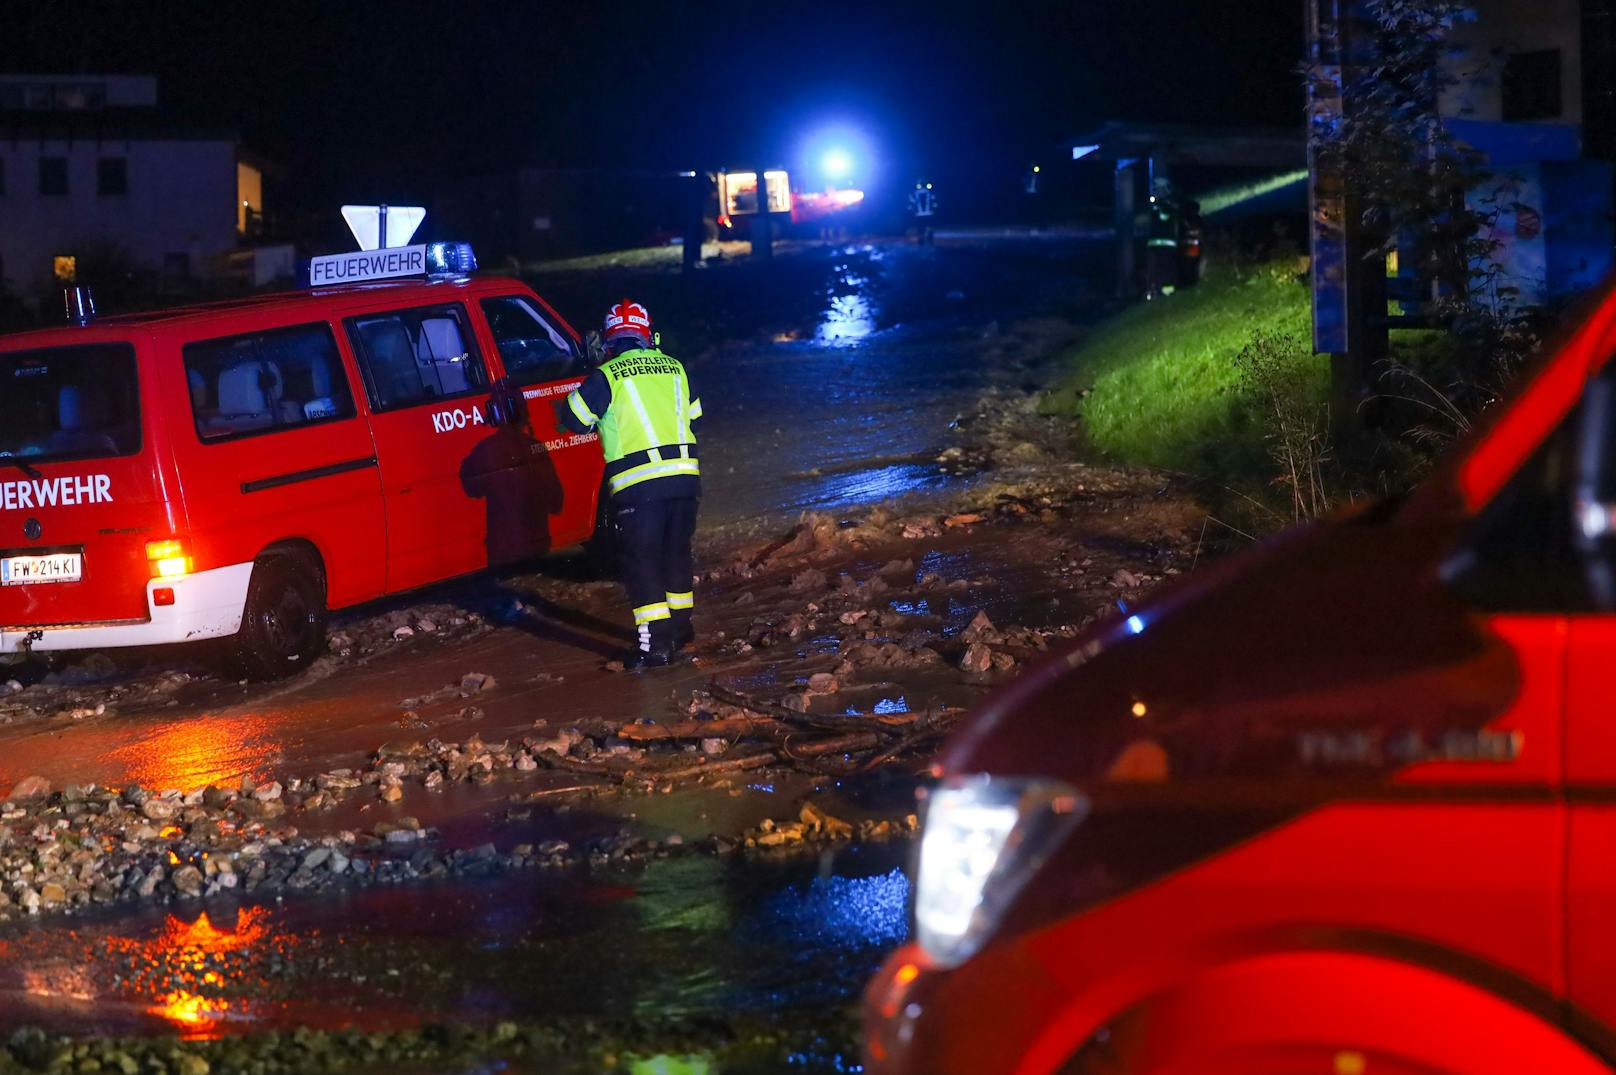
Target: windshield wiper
[{"x": 22, "y": 465}]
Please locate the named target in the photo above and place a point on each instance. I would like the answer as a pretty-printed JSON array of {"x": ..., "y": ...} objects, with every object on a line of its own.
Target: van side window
[
  {"x": 265, "y": 382},
  {"x": 417, "y": 356},
  {"x": 533, "y": 350}
]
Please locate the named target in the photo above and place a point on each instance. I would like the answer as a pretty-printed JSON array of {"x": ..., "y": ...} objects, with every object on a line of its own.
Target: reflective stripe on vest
[
  {"x": 646, "y": 471},
  {"x": 650, "y": 408}
]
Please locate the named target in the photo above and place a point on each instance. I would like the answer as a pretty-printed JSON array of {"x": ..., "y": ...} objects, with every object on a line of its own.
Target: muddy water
[
  {"x": 688, "y": 936},
  {"x": 840, "y": 395},
  {"x": 831, "y": 377}
]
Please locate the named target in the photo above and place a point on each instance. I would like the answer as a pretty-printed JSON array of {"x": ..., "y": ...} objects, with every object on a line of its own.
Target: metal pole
[
  {"x": 762, "y": 222},
  {"x": 1125, "y": 186}
]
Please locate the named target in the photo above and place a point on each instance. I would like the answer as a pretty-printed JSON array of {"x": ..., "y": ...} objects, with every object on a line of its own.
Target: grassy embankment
[{"x": 1158, "y": 383}]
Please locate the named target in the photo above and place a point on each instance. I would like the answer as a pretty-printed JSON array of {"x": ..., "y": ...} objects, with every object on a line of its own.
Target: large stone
[
  {"x": 187, "y": 881},
  {"x": 28, "y": 789},
  {"x": 158, "y": 809},
  {"x": 977, "y": 660},
  {"x": 475, "y": 682},
  {"x": 258, "y": 810}
]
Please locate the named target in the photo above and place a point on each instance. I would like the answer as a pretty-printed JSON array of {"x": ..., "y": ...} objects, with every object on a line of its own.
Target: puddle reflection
[
  {"x": 183, "y": 968},
  {"x": 850, "y": 316},
  {"x": 195, "y": 753},
  {"x": 687, "y": 934}
]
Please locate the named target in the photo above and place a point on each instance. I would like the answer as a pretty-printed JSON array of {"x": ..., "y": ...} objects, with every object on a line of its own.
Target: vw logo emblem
[{"x": 31, "y": 529}]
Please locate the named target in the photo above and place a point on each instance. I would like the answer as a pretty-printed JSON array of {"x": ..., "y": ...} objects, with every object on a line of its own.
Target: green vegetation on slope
[{"x": 1158, "y": 384}]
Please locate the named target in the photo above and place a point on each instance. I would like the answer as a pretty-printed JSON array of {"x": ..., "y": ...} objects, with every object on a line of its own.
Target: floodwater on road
[
  {"x": 685, "y": 936},
  {"x": 840, "y": 393},
  {"x": 830, "y": 378}
]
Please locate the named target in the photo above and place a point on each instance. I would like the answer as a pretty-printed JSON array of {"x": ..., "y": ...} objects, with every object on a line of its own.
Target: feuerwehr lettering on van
[{"x": 55, "y": 492}]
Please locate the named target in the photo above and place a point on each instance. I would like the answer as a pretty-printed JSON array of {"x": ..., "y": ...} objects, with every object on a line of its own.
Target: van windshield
[{"x": 69, "y": 403}]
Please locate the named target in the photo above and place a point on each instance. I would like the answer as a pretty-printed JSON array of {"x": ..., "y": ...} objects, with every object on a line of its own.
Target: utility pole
[
  {"x": 1349, "y": 291},
  {"x": 762, "y": 222},
  {"x": 694, "y": 204}
]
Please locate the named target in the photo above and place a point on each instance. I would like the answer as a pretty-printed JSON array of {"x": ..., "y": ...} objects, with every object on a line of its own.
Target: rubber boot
[
  {"x": 684, "y": 633},
  {"x": 655, "y": 649}
]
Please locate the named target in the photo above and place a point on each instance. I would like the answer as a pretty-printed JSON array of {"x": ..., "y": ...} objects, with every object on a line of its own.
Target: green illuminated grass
[{"x": 1164, "y": 390}]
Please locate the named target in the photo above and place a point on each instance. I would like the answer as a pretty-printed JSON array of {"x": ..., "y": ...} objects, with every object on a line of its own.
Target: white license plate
[{"x": 28, "y": 570}]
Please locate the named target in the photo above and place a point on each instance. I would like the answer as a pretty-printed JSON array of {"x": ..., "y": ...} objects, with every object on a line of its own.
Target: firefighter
[
  {"x": 922, "y": 208},
  {"x": 642, "y": 403}
]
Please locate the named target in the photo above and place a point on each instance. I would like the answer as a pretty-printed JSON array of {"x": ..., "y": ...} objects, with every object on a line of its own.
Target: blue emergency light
[
  {"x": 450, "y": 259},
  {"x": 435, "y": 261}
]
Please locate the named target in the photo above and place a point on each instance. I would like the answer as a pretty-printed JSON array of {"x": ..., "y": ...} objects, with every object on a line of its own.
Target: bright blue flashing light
[
  {"x": 1135, "y": 624},
  {"x": 450, "y": 259},
  {"x": 837, "y": 164}
]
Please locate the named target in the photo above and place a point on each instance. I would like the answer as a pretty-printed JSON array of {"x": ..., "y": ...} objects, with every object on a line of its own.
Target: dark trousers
[{"x": 653, "y": 543}]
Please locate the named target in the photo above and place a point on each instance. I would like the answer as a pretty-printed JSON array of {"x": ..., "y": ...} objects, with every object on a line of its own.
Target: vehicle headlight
[{"x": 983, "y": 838}]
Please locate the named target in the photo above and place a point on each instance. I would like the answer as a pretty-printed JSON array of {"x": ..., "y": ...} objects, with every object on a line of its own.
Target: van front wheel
[{"x": 283, "y": 624}]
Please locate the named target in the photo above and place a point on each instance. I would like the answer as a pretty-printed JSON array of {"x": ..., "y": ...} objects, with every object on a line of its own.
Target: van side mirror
[
  {"x": 1593, "y": 504},
  {"x": 1594, "y": 496}
]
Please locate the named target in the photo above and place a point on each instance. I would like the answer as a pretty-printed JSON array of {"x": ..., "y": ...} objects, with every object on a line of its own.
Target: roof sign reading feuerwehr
[{"x": 367, "y": 265}]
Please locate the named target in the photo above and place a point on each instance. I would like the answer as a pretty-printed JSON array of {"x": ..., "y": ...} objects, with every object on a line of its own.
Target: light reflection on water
[
  {"x": 687, "y": 935},
  {"x": 190, "y": 996},
  {"x": 849, "y": 319},
  {"x": 850, "y": 315},
  {"x": 195, "y": 753}
]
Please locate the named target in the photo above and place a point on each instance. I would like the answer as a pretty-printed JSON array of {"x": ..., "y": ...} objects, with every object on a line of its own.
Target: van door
[
  {"x": 544, "y": 360},
  {"x": 1583, "y": 544},
  {"x": 271, "y": 447},
  {"x": 428, "y": 390},
  {"x": 80, "y": 492}
]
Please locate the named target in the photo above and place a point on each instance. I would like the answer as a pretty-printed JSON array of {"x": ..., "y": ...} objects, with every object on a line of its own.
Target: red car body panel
[
  {"x": 389, "y": 500},
  {"x": 1318, "y": 763}
]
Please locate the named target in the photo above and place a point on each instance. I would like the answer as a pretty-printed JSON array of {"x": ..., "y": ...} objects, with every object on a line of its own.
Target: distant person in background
[
  {"x": 922, "y": 210},
  {"x": 642, "y": 403},
  {"x": 1161, "y": 243}
]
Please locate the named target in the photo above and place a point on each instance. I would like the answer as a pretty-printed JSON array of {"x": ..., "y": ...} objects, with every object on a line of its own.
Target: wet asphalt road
[{"x": 840, "y": 395}]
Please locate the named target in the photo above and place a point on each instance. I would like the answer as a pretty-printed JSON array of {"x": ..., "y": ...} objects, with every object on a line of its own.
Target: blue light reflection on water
[
  {"x": 847, "y": 320},
  {"x": 899, "y": 704},
  {"x": 846, "y": 913}
]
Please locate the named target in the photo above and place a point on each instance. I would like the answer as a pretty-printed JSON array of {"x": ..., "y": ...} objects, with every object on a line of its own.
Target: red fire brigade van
[
  {"x": 1343, "y": 805},
  {"x": 237, "y": 469}
]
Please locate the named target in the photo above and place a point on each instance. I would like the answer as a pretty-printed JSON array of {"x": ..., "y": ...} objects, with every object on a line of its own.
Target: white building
[{"x": 88, "y": 162}]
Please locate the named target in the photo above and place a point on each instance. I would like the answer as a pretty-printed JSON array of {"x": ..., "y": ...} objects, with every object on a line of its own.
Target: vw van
[{"x": 236, "y": 470}]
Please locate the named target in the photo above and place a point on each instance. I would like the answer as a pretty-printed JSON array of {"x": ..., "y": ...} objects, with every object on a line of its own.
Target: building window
[
  {"x": 53, "y": 176},
  {"x": 65, "y": 267},
  {"x": 1531, "y": 85},
  {"x": 112, "y": 176}
]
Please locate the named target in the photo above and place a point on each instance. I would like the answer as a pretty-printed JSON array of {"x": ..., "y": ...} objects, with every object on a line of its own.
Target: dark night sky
[{"x": 379, "y": 96}]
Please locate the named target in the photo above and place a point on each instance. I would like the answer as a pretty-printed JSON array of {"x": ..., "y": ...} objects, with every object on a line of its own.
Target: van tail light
[
  {"x": 162, "y": 596},
  {"x": 169, "y": 559}
]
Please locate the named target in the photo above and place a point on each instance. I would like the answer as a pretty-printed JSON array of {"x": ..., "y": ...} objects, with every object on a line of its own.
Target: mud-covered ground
[{"x": 463, "y": 815}]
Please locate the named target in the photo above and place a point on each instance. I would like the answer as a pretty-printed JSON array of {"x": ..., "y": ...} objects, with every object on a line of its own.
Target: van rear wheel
[{"x": 283, "y": 624}]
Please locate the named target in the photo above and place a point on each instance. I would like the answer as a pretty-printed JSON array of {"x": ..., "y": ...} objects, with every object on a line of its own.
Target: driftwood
[
  {"x": 760, "y": 733},
  {"x": 727, "y": 728}
]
